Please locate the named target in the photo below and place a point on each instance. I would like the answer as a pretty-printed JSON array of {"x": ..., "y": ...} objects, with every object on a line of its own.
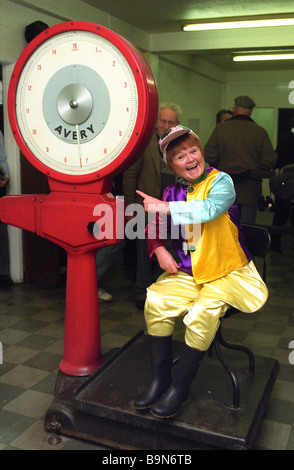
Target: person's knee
[{"x": 202, "y": 322}]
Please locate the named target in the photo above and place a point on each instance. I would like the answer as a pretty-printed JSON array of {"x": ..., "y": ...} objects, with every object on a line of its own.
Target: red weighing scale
[{"x": 82, "y": 107}]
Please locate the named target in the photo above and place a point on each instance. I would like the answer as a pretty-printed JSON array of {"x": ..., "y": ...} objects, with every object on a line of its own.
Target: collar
[
  {"x": 196, "y": 181},
  {"x": 241, "y": 117}
]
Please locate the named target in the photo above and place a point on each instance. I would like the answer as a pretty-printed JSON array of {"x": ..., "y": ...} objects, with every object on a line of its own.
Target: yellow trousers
[{"x": 177, "y": 295}]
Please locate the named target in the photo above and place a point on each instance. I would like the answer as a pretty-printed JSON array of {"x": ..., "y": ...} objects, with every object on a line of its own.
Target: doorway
[
  {"x": 284, "y": 121},
  {"x": 40, "y": 256}
]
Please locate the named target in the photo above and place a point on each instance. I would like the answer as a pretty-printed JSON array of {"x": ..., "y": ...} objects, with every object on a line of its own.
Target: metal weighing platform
[{"x": 100, "y": 408}]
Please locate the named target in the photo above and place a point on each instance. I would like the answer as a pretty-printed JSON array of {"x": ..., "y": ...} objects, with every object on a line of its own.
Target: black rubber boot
[
  {"x": 187, "y": 368},
  {"x": 161, "y": 364}
]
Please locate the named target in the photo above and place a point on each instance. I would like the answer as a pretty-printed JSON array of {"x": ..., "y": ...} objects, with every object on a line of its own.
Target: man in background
[
  {"x": 239, "y": 146},
  {"x": 149, "y": 175}
]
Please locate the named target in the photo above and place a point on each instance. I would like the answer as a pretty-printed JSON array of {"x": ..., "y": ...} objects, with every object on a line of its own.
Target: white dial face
[{"x": 76, "y": 102}]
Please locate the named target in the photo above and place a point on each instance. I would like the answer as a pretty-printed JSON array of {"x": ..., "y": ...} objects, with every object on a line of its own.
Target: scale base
[{"x": 100, "y": 408}]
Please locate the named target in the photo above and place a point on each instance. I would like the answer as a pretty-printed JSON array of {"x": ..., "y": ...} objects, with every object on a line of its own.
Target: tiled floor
[{"x": 31, "y": 333}]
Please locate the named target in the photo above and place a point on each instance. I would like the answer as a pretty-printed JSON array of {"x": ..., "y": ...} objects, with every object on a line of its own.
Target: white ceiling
[{"x": 160, "y": 18}]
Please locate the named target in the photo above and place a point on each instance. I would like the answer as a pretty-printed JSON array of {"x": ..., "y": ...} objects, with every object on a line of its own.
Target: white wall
[
  {"x": 14, "y": 17},
  {"x": 200, "y": 97},
  {"x": 268, "y": 90}
]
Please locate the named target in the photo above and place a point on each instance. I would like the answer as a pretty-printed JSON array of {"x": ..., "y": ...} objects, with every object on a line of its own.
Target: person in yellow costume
[{"x": 213, "y": 270}]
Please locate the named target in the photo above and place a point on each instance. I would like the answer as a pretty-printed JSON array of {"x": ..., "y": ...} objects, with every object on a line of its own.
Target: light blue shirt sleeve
[
  {"x": 3, "y": 158},
  {"x": 221, "y": 197}
]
